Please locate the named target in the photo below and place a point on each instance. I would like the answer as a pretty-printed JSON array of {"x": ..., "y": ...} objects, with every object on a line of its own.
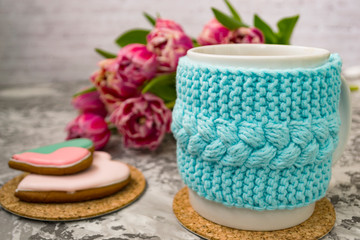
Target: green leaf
[
  {"x": 233, "y": 11},
  {"x": 226, "y": 20},
  {"x": 286, "y": 27},
  {"x": 87, "y": 90},
  {"x": 270, "y": 36},
  {"x": 105, "y": 54},
  {"x": 195, "y": 43},
  {"x": 150, "y": 18},
  {"x": 132, "y": 36},
  {"x": 170, "y": 105},
  {"x": 162, "y": 86}
]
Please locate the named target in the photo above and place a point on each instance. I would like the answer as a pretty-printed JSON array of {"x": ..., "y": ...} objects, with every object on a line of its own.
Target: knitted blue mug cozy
[{"x": 257, "y": 138}]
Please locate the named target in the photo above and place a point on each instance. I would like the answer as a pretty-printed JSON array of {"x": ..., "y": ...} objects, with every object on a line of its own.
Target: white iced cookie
[{"x": 104, "y": 177}]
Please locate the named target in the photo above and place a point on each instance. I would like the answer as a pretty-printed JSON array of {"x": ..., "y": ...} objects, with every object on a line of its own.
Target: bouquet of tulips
[{"x": 134, "y": 90}]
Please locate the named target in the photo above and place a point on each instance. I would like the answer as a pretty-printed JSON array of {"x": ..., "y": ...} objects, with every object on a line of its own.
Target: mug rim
[{"x": 277, "y": 56}]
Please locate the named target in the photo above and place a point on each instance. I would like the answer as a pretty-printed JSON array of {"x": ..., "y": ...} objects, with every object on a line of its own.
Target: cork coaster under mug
[
  {"x": 72, "y": 211},
  {"x": 318, "y": 225}
]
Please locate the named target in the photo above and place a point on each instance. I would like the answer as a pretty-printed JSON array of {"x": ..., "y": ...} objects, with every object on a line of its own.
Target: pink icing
[
  {"x": 62, "y": 156},
  {"x": 103, "y": 172}
]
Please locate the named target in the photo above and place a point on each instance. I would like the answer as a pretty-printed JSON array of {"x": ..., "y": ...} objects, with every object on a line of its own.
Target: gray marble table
[{"x": 35, "y": 114}]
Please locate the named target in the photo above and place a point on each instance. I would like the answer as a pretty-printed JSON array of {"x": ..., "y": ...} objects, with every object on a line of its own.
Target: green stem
[
  {"x": 354, "y": 88},
  {"x": 170, "y": 105},
  {"x": 87, "y": 90}
]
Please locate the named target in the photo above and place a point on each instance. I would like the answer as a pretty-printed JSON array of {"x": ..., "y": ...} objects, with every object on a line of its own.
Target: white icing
[{"x": 103, "y": 172}]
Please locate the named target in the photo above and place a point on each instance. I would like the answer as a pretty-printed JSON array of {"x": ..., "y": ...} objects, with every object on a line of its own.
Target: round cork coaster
[
  {"x": 318, "y": 225},
  {"x": 72, "y": 211}
]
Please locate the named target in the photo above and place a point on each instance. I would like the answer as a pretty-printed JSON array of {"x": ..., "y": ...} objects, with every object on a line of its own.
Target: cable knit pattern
[{"x": 255, "y": 138}]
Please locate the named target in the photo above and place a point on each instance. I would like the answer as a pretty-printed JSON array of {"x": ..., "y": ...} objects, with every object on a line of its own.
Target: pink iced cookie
[
  {"x": 103, "y": 178},
  {"x": 66, "y": 160}
]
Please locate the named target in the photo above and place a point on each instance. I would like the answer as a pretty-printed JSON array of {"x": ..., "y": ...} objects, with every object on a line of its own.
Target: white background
[{"x": 43, "y": 40}]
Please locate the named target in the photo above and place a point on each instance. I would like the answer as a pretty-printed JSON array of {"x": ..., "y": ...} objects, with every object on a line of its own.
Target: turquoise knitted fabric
[{"x": 257, "y": 138}]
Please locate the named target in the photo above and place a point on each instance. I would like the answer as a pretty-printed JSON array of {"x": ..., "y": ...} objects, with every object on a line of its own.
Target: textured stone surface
[
  {"x": 35, "y": 114},
  {"x": 46, "y": 55}
]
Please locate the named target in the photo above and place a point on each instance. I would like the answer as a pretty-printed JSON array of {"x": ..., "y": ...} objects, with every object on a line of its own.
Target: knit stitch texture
[{"x": 257, "y": 138}]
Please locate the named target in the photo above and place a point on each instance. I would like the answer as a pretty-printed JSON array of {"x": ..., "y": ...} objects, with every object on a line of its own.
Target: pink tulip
[
  {"x": 113, "y": 90},
  {"x": 88, "y": 125},
  {"x": 170, "y": 24},
  {"x": 135, "y": 64},
  {"x": 214, "y": 33},
  {"x": 120, "y": 78},
  {"x": 246, "y": 35},
  {"x": 169, "y": 44},
  {"x": 143, "y": 121},
  {"x": 89, "y": 102},
  {"x": 107, "y": 85}
]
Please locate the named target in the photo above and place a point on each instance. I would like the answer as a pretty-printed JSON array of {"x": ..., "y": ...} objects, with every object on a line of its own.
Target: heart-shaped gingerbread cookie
[
  {"x": 57, "y": 159},
  {"x": 102, "y": 178}
]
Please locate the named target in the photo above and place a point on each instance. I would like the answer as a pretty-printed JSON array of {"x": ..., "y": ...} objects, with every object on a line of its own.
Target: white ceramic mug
[{"x": 269, "y": 57}]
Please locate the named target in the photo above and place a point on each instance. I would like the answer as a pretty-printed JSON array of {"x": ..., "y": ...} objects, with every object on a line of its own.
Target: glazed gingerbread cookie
[
  {"x": 102, "y": 179},
  {"x": 57, "y": 159}
]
